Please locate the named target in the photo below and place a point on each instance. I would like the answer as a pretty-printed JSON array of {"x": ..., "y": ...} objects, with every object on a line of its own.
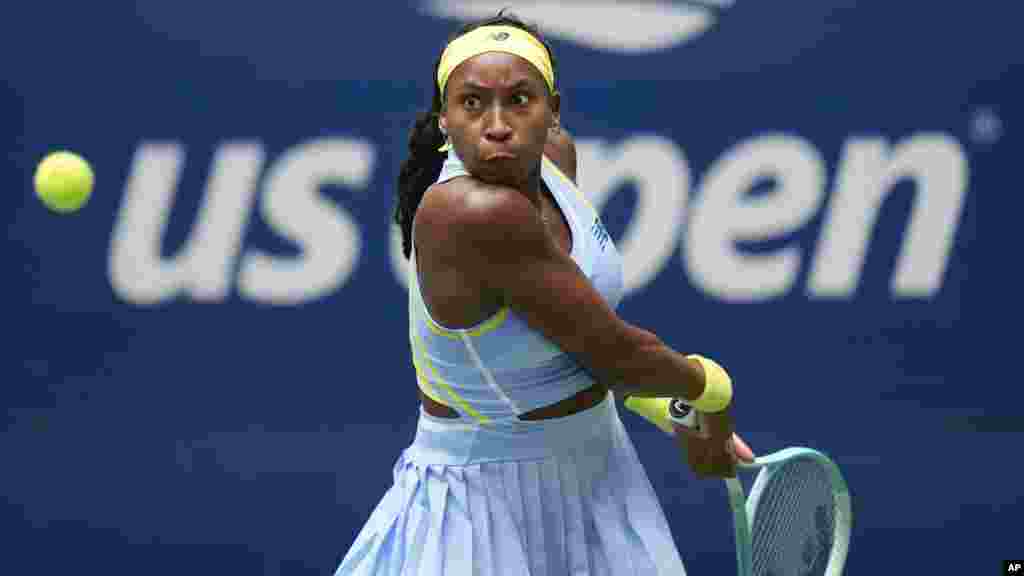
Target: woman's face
[{"x": 497, "y": 114}]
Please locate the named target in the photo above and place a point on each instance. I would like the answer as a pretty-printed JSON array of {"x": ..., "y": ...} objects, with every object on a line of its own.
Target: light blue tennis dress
[{"x": 490, "y": 494}]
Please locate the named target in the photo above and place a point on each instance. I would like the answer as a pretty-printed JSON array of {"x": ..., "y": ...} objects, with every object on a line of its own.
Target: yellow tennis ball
[{"x": 64, "y": 181}]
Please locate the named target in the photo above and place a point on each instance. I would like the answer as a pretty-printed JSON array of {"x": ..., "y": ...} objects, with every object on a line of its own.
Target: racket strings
[
  {"x": 781, "y": 507},
  {"x": 769, "y": 554},
  {"x": 794, "y": 524}
]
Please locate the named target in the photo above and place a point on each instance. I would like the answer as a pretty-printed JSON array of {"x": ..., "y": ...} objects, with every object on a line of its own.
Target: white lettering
[
  {"x": 202, "y": 269},
  {"x": 293, "y": 207},
  {"x": 760, "y": 190},
  {"x": 723, "y": 213},
  {"x": 399, "y": 264},
  {"x": 867, "y": 174},
  {"x": 658, "y": 169}
]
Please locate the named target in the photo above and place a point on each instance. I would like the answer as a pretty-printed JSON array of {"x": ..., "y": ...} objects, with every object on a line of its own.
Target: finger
[
  {"x": 696, "y": 452},
  {"x": 700, "y": 468},
  {"x": 681, "y": 430},
  {"x": 697, "y": 460},
  {"x": 729, "y": 470},
  {"x": 725, "y": 465},
  {"x": 741, "y": 449},
  {"x": 710, "y": 469},
  {"x": 719, "y": 458},
  {"x": 720, "y": 424},
  {"x": 722, "y": 469}
]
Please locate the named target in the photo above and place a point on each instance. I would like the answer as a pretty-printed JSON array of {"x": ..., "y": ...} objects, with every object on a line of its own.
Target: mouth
[{"x": 499, "y": 155}]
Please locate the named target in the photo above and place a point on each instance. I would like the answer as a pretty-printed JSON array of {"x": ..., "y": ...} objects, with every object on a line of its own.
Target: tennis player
[{"x": 520, "y": 464}]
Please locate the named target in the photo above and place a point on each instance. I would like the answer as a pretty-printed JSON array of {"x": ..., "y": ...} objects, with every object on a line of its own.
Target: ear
[
  {"x": 556, "y": 108},
  {"x": 442, "y": 122}
]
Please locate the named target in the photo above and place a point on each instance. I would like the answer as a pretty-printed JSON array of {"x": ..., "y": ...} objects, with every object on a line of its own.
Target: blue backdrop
[{"x": 206, "y": 370}]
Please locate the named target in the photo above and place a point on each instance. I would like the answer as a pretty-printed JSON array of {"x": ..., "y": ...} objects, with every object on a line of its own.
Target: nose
[{"x": 497, "y": 129}]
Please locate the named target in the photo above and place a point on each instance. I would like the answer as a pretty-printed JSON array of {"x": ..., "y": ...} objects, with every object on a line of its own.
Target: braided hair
[{"x": 423, "y": 164}]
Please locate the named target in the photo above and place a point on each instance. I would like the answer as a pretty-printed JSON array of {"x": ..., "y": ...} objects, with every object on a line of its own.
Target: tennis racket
[{"x": 797, "y": 517}]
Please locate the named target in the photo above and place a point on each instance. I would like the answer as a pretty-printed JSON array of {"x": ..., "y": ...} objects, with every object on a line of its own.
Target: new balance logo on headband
[{"x": 654, "y": 26}]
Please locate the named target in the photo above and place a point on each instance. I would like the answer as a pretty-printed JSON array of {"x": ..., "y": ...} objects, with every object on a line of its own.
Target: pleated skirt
[{"x": 566, "y": 496}]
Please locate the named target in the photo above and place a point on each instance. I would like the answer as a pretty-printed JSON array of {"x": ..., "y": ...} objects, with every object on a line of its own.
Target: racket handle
[{"x": 656, "y": 411}]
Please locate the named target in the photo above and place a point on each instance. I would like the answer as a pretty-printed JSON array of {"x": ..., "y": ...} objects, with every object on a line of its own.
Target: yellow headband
[{"x": 495, "y": 39}]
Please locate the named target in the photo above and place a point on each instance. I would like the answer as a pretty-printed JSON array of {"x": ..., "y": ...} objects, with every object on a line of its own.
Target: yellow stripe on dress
[
  {"x": 459, "y": 401},
  {"x": 425, "y": 385},
  {"x": 490, "y": 325}
]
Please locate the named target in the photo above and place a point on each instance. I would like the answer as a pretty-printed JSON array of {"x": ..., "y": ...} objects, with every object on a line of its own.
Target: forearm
[{"x": 656, "y": 370}]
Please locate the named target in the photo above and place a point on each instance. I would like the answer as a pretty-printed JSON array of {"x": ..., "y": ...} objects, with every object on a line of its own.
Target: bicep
[
  {"x": 497, "y": 240},
  {"x": 545, "y": 287}
]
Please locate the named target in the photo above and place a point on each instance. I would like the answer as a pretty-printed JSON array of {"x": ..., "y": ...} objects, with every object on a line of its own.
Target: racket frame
[{"x": 744, "y": 508}]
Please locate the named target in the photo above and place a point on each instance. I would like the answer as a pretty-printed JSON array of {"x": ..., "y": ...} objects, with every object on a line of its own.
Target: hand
[{"x": 713, "y": 448}]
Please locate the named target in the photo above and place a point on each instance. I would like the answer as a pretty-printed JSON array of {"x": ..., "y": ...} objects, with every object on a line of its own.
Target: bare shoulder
[
  {"x": 465, "y": 219},
  {"x": 561, "y": 149}
]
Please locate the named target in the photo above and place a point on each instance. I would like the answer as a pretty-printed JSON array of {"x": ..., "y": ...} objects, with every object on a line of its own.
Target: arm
[{"x": 497, "y": 240}]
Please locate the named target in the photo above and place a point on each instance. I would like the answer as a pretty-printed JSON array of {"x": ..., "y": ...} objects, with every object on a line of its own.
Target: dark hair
[{"x": 423, "y": 165}]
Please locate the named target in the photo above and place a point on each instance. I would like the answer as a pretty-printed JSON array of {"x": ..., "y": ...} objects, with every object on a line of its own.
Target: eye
[
  {"x": 471, "y": 102},
  {"x": 521, "y": 98}
]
